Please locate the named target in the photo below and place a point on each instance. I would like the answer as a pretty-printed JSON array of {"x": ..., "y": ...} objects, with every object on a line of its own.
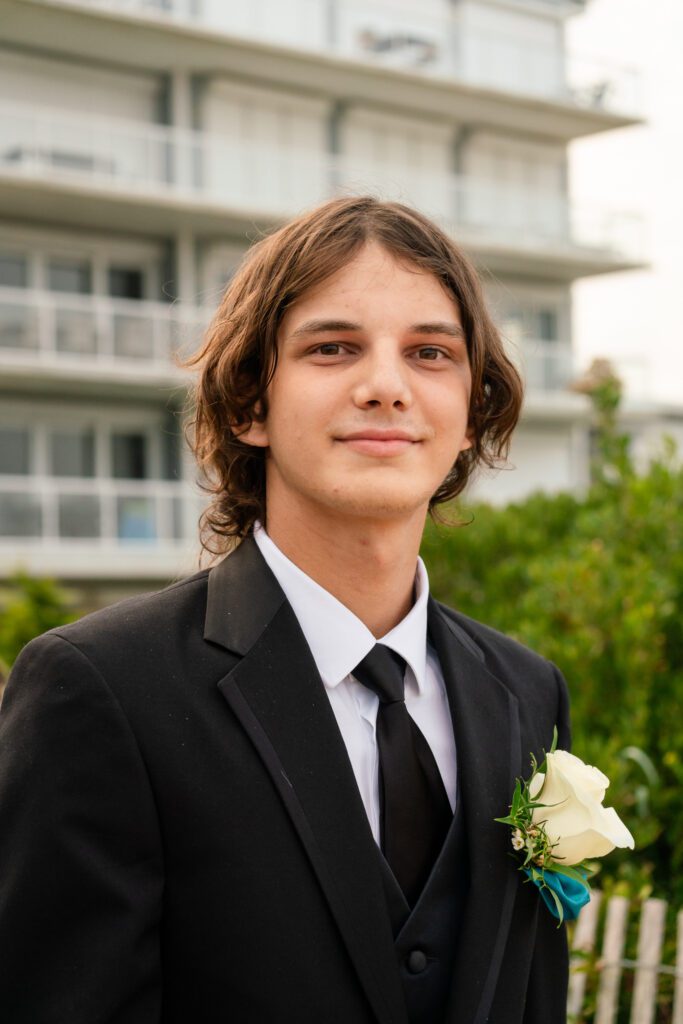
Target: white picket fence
[{"x": 611, "y": 962}]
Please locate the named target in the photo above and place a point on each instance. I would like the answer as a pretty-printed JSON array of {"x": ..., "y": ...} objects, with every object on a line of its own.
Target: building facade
[{"x": 145, "y": 143}]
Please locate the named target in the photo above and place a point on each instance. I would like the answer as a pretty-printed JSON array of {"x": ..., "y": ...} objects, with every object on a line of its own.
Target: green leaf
[
  {"x": 568, "y": 871},
  {"x": 556, "y": 900}
]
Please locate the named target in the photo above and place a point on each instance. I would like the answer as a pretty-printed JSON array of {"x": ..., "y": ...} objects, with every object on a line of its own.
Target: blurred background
[{"x": 144, "y": 144}]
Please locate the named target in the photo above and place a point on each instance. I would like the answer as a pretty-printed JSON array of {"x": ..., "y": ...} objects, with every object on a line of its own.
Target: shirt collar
[{"x": 337, "y": 638}]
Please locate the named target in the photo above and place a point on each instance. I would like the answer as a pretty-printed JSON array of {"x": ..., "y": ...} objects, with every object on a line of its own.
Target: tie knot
[{"x": 382, "y": 671}]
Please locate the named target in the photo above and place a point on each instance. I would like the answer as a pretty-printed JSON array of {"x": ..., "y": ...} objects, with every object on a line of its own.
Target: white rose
[{"x": 574, "y": 817}]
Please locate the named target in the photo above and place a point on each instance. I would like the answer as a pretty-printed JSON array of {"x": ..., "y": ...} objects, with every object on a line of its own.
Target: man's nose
[{"x": 383, "y": 380}]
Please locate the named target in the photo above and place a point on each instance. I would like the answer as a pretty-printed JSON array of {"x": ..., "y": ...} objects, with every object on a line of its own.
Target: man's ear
[
  {"x": 468, "y": 439},
  {"x": 256, "y": 434}
]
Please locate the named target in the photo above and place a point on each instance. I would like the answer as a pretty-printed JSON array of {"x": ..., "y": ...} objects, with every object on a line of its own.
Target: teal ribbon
[{"x": 571, "y": 893}]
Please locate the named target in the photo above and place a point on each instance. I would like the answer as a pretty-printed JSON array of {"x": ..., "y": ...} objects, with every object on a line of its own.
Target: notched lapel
[
  {"x": 487, "y": 737},
  {"x": 277, "y": 694}
]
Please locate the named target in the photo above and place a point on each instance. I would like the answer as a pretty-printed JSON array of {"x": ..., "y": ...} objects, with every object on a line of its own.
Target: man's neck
[{"x": 368, "y": 565}]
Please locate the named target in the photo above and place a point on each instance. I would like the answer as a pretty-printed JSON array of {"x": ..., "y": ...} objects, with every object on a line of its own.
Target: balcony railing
[
  {"x": 52, "y": 329},
  {"x": 97, "y": 511},
  {"x": 276, "y": 182},
  {"x": 428, "y": 38},
  {"x": 546, "y": 366}
]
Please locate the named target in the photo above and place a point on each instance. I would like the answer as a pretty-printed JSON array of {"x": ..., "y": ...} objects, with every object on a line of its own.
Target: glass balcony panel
[
  {"x": 178, "y": 511},
  {"x": 432, "y": 37},
  {"x": 135, "y": 518},
  {"x": 20, "y": 515},
  {"x": 133, "y": 336},
  {"x": 184, "y": 335},
  {"x": 75, "y": 331},
  {"x": 397, "y": 37},
  {"x": 546, "y": 366},
  {"x": 79, "y": 515},
  {"x": 18, "y": 327}
]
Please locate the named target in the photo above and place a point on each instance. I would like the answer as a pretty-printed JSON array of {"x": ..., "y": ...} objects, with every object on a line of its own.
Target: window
[
  {"x": 15, "y": 450},
  {"x": 20, "y": 515},
  {"x": 18, "y": 326},
  {"x": 69, "y": 275},
  {"x": 79, "y": 515},
  {"x": 135, "y": 518},
  {"x": 529, "y": 320},
  {"x": 13, "y": 271},
  {"x": 129, "y": 456},
  {"x": 126, "y": 283},
  {"x": 72, "y": 453},
  {"x": 547, "y": 324}
]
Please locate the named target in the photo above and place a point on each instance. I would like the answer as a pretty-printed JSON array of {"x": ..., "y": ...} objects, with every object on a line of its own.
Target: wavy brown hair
[{"x": 239, "y": 355}]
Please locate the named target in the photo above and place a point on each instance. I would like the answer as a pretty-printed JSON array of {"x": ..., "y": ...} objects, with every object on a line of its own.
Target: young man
[{"x": 267, "y": 794}]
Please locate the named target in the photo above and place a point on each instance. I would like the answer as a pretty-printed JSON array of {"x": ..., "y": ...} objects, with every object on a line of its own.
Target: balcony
[
  {"x": 142, "y": 177},
  {"x": 547, "y": 367},
  {"x": 96, "y": 527},
  {"x": 418, "y": 41},
  {"x": 115, "y": 345}
]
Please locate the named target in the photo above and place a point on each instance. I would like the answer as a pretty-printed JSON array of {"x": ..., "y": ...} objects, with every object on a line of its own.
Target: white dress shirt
[{"x": 339, "y": 641}]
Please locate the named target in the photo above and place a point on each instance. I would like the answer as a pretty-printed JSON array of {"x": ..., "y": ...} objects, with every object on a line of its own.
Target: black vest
[{"x": 425, "y": 938}]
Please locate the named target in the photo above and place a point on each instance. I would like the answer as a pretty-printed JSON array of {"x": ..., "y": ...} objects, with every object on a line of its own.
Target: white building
[{"x": 143, "y": 143}]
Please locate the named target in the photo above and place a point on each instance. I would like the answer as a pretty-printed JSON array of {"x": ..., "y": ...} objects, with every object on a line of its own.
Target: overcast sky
[{"x": 637, "y": 317}]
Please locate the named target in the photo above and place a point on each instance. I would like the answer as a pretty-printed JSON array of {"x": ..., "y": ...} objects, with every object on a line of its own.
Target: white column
[
  {"x": 180, "y": 109},
  {"x": 186, "y": 267}
]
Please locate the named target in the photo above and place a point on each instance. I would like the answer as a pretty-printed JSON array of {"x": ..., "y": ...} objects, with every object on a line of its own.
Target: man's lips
[{"x": 379, "y": 442}]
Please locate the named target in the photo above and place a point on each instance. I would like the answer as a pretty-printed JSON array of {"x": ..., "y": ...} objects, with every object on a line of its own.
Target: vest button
[{"x": 416, "y": 961}]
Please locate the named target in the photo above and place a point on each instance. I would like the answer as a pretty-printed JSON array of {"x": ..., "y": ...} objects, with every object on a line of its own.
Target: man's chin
[{"x": 380, "y": 504}]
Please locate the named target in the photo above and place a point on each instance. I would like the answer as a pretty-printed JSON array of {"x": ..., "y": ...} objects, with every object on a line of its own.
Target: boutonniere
[{"x": 558, "y": 823}]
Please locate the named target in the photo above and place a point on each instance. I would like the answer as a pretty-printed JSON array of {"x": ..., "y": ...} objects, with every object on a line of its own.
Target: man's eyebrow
[
  {"x": 439, "y": 327},
  {"x": 320, "y": 326},
  {"x": 452, "y": 330}
]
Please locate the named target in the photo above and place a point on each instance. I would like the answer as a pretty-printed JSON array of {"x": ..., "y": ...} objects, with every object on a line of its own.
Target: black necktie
[{"x": 414, "y": 810}]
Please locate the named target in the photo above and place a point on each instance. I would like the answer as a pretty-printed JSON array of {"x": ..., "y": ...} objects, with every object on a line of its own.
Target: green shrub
[
  {"x": 596, "y": 585},
  {"x": 29, "y": 606}
]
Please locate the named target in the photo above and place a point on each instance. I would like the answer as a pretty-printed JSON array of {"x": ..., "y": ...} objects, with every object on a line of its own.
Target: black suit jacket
[{"x": 182, "y": 838}]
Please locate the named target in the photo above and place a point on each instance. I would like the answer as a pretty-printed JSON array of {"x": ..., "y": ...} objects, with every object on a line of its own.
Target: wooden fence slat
[
  {"x": 650, "y": 938},
  {"x": 612, "y": 953},
  {"x": 583, "y": 942},
  {"x": 677, "y": 1016}
]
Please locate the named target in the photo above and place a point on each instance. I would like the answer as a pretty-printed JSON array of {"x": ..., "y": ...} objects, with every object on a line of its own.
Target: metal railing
[
  {"x": 276, "y": 182},
  {"x": 44, "y": 509},
  {"x": 428, "y": 39},
  {"x": 105, "y": 334}
]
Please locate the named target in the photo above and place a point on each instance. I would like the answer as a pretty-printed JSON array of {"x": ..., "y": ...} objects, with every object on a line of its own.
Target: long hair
[{"x": 239, "y": 355}]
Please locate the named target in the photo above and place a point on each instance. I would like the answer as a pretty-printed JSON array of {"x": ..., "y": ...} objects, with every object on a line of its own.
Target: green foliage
[
  {"x": 596, "y": 585},
  {"x": 28, "y": 607}
]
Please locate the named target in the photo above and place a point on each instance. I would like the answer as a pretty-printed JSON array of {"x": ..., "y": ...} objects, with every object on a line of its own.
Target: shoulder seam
[{"x": 58, "y": 636}]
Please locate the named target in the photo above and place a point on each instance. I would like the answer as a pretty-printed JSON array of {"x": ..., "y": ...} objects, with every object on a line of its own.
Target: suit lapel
[
  {"x": 277, "y": 694},
  {"x": 487, "y": 737}
]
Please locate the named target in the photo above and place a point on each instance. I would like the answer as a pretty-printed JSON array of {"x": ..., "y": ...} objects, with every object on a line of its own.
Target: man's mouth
[{"x": 379, "y": 442}]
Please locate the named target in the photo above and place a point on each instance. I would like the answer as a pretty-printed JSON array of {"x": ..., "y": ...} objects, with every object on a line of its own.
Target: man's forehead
[{"x": 339, "y": 299}]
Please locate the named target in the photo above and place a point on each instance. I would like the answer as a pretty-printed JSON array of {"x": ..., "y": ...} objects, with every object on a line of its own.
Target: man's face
[{"x": 368, "y": 407}]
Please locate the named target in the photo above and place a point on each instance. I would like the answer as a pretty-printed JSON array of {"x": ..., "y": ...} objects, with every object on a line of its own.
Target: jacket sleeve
[
  {"x": 546, "y": 999},
  {"x": 80, "y": 854}
]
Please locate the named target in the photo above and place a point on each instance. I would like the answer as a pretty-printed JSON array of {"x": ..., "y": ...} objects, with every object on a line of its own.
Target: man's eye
[
  {"x": 429, "y": 352},
  {"x": 329, "y": 348}
]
